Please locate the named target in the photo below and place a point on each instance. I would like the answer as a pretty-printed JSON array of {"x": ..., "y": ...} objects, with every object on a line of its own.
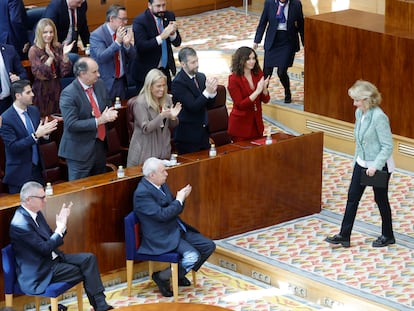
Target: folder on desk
[
  {"x": 261, "y": 141},
  {"x": 380, "y": 179}
]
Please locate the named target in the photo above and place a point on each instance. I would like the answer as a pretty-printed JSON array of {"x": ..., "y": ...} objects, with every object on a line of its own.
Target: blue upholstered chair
[
  {"x": 132, "y": 242},
  {"x": 52, "y": 291}
]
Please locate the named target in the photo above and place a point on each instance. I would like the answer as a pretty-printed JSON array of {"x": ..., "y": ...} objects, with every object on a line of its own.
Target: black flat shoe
[
  {"x": 338, "y": 239},
  {"x": 164, "y": 286},
  {"x": 288, "y": 99},
  {"x": 184, "y": 282},
  {"x": 383, "y": 241}
]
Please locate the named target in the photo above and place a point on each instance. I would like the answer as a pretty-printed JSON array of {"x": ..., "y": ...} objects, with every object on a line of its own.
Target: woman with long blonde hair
[
  {"x": 49, "y": 62},
  {"x": 154, "y": 116}
]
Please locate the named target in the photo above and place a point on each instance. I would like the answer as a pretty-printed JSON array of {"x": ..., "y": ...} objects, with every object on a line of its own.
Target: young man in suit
[
  {"x": 195, "y": 92},
  {"x": 283, "y": 20},
  {"x": 11, "y": 70},
  {"x": 155, "y": 30},
  {"x": 86, "y": 109},
  {"x": 39, "y": 260},
  {"x": 112, "y": 50},
  {"x": 69, "y": 17},
  {"x": 21, "y": 132},
  {"x": 162, "y": 230}
]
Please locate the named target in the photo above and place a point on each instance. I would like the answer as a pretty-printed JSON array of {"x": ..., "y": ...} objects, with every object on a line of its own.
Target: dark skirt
[{"x": 282, "y": 52}]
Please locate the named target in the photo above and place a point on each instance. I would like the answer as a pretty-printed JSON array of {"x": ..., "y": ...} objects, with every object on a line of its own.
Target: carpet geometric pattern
[
  {"x": 383, "y": 275},
  {"x": 215, "y": 286}
]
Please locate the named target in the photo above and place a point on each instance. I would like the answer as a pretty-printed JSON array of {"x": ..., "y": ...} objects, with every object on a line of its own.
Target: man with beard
[
  {"x": 196, "y": 93},
  {"x": 154, "y": 32}
]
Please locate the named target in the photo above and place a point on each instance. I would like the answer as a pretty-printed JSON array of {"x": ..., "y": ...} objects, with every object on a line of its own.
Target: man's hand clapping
[
  {"x": 184, "y": 193},
  {"x": 46, "y": 127},
  {"x": 211, "y": 85},
  {"x": 108, "y": 115},
  {"x": 62, "y": 218}
]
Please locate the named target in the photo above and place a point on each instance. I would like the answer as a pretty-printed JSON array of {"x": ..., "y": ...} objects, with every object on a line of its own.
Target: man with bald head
[{"x": 86, "y": 109}]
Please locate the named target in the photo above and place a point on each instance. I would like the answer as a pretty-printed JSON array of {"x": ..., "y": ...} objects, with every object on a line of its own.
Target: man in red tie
[
  {"x": 112, "y": 49},
  {"x": 86, "y": 109}
]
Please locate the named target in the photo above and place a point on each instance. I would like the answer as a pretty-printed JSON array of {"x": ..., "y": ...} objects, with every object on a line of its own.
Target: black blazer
[
  {"x": 147, "y": 48},
  {"x": 57, "y": 10}
]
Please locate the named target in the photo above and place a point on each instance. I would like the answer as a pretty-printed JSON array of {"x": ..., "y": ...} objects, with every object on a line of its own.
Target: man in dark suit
[
  {"x": 112, "y": 50},
  {"x": 21, "y": 132},
  {"x": 154, "y": 32},
  {"x": 284, "y": 21},
  {"x": 85, "y": 107},
  {"x": 13, "y": 29},
  {"x": 162, "y": 230},
  {"x": 11, "y": 70},
  {"x": 39, "y": 261},
  {"x": 195, "y": 92},
  {"x": 69, "y": 17}
]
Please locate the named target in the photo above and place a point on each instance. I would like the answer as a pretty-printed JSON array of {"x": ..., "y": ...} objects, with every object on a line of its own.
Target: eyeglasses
[
  {"x": 38, "y": 197},
  {"x": 124, "y": 19}
]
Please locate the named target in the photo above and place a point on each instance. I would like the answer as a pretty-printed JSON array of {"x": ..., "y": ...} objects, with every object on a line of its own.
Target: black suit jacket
[
  {"x": 147, "y": 48},
  {"x": 12, "y": 61},
  {"x": 57, "y": 10},
  {"x": 193, "y": 125}
]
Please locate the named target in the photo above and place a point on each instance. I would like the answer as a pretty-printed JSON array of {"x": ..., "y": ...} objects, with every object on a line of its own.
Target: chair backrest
[
  {"x": 130, "y": 115},
  {"x": 132, "y": 237},
  {"x": 33, "y": 16},
  {"x": 218, "y": 118},
  {"x": 53, "y": 170},
  {"x": 114, "y": 153},
  {"x": 9, "y": 271}
]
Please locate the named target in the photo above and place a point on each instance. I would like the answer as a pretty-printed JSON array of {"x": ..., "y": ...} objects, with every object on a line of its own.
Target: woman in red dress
[
  {"x": 49, "y": 62},
  {"x": 248, "y": 89}
]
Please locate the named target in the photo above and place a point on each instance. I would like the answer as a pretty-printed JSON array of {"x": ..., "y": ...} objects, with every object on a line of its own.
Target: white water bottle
[
  {"x": 88, "y": 50},
  {"x": 120, "y": 173},
  {"x": 117, "y": 103},
  {"x": 49, "y": 189},
  {"x": 213, "y": 151},
  {"x": 268, "y": 140}
]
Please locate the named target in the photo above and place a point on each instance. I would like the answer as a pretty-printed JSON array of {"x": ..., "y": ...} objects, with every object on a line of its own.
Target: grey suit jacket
[{"x": 79, "y": 125}]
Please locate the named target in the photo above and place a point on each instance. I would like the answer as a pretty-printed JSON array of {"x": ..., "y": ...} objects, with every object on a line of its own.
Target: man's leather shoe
[
  {"x": 338, "y": 239},
  {"x": 184, "y": 282},
  {"x": 164, "y": 286},
  {"x": 288, "y": 99},
  {"x": 383, "y": 241}
]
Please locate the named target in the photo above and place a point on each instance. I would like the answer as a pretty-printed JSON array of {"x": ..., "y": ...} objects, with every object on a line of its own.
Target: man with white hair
[{"x": 162, "y": 230}]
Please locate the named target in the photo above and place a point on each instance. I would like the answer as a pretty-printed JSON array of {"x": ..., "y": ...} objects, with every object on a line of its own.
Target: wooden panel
[
  {"x": 342, "y": 47},
  {"x": 245, "y": 187},
  {"x": 400, "y": 14}
]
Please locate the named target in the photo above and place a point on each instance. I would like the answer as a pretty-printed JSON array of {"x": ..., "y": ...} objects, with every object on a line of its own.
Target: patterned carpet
[{"x": 383, "y": 275}]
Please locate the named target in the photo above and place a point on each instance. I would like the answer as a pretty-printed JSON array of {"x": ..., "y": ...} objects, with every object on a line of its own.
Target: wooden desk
[
  {"x": 244, "y": 188},
  {"x": 172, "y": 306}
]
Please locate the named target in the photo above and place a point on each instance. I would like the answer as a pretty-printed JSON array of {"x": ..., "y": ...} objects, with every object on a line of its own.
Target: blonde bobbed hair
[{"x": 367, "y": 92}]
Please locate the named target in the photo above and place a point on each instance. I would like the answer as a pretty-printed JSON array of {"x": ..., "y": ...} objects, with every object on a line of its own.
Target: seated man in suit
[
  {"x": 11, "y": 70},
  {"x": 21, "y": 131},
  {"x": 195, "y": 92},
  {"x": 111, "y": 48},
  {"x": 38, "y": 259},
  {"x": 162, "y": 230}
]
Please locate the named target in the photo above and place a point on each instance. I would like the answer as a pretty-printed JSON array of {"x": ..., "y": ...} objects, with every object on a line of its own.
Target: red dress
[{"x": 245, "y": 121}]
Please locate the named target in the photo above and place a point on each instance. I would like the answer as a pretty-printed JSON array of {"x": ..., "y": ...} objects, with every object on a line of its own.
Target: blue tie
[
  {"x": 164, "y": 55},
  {"x": 30, "y": 130}
]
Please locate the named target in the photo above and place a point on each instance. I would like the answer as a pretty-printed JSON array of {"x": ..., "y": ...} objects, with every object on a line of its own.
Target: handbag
[{"x": 380, "y": 179}]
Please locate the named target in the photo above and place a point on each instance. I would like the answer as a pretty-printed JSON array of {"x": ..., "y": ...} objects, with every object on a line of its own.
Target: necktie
[
  {"x": 96, "y": 113},
  {"x": 280, "y": 15},
  {"x": 74, "y": 26},
  {"x": 181, "y": 225},
  {"x": 164, "y": 55},
  {"x": 117, "y": 61},
  {"x": 30, "y": 130},
  {"x": 195, "y": 82}
]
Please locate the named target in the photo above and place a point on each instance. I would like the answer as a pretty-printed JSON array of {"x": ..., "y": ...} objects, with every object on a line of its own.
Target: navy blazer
[
  {"x": 79, "y": 126},
  {"x": 103, "y": 49},
  {"x": 295, "y": 24},
  {"x": 158, "y": 213},
  {"x": 12, "y": 61},
  {"x": 18, "y": 145},
  {"x": 13, "y": 19},
  {"x": 58, "y": 11},
  {"x": 147, "y": 48},
  {"x": 33, "y": 246},
  {"x": 193, "y": 115}
]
